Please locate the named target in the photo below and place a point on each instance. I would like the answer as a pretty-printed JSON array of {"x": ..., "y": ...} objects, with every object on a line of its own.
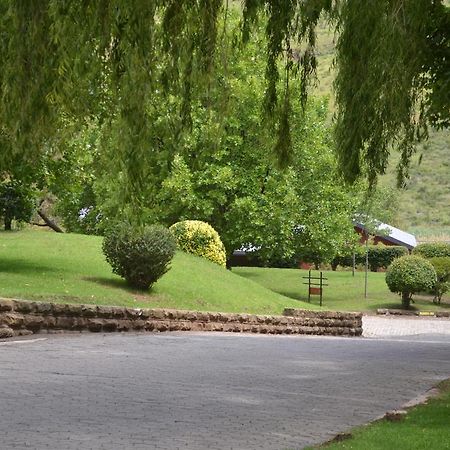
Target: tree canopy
[{"x": 68, "y": 61}]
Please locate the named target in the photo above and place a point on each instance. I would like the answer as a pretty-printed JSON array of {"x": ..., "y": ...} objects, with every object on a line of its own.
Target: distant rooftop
[{"x": 392, "y": 234}]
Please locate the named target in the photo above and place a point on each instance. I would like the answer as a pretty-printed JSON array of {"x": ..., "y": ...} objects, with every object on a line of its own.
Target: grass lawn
[
  {"x": 344, "y": 293},
  {"x": 42, "y": 265},
  {"x": 425, "y": 427}
]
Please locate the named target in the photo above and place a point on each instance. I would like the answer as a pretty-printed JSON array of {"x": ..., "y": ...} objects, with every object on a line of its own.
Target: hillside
[
  {"x": 424, "y": 205},
  {"x": 70, "y": 268}
]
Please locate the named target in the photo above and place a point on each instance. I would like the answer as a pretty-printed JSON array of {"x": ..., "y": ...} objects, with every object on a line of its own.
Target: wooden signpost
[{"x": 315, "y": 287}]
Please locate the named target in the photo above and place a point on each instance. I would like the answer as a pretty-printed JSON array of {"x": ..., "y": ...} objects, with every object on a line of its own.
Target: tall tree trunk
[{"x": 8, "y": 223}]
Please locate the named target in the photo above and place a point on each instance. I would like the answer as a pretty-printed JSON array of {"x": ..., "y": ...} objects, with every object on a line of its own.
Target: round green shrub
[
  {"x": 141, "y": 255},
  {"x": 200, "y": 239},
  {"x": 408, "y": 275},
  {"x": 433, "y": 250}
]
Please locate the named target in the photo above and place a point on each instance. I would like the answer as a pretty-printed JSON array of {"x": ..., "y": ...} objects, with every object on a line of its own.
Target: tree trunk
[
  {"x": 406, "y": 298},
  {"x": 8, "y": 223},
  {"x": 52, "y": 224}
]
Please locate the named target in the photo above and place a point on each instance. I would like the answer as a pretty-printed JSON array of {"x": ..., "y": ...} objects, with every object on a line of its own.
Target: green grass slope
[{"x": 37, "y": 265}]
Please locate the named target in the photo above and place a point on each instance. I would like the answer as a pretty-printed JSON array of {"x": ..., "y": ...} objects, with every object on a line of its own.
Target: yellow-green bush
[{"x": 199, "y": 238}]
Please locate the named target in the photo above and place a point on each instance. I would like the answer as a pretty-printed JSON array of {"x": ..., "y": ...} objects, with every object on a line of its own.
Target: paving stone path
[
  {"x": 381, "y": 326},
  {"x": 204, "y": 391}
]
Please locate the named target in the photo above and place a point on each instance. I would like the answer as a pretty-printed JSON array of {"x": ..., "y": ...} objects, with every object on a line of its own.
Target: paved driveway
[
  {"x": 205, "y": 391},
  {"x": 390, "y": 326}
]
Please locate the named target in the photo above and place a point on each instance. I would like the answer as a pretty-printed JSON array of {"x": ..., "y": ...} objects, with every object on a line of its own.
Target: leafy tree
[
  {"x": 17, "y": 202},
  {"x": 110, "y": 59}
]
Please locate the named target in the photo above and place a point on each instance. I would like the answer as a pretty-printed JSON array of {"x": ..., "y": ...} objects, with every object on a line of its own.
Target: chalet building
[{"x": 387, "y": 235}]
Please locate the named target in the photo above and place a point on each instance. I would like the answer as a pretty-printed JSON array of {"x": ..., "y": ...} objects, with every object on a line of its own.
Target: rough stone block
[
  {"x": 203, "y": 317},
  {"x": 58, "y": 309},
  {"x": 123, "y": 325},
  {"x": 224, "y": 318},
  {"x": 133, "y": 313},
  {"x": 162, "y": 326},
  {"x": 65, "y": 322},
  {"x": 243, "y": 318},
  {"x": 105, "y": 312},
  {"x": 213, "y": 317},
  {"x": 137, "y": 324},
  {"x": 49, "y": 322},
  {"x": 33, "y": 323},
  {"x": 150, "y": 325},
  {"x": 43, "y": 308},
  {"x": 157, "y": 314},
  {"x": 12, "y": 319},
  {"x": 110, "y": 325},
  {"x": 145, "y": 313},
  {"x": 217, "y": 326},
  {"x": 89, "y": 311},
  {"x": 6, "y": 305},
  {"x": 73, "y": 310},
  {"x": 6, "y": 332},
  {"x": 95, "y": 325},
  {"x": 22, "y": 306},
  {"x": 22, "y": 332}
]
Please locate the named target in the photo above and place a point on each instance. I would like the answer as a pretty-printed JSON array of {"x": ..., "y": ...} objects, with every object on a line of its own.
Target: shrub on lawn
[
  {"x": 433, "y": 250},
  {"x": 140, "y": 255},
  {"x": 408, "y": 275},
  {"x": 200, "y": 239},
  {"x": 442, "y": 267}
]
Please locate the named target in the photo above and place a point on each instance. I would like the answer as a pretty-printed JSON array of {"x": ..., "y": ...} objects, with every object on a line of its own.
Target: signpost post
[{"x": 314, "y": 287}]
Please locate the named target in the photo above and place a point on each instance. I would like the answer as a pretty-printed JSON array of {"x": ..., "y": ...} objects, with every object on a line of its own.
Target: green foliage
[
  {"x": 432, "y": 250},
  {"x": 381, "y": 256},
  {"x": 17, "y": 202},
  {"x": 140, "y": 255},
  {"x": 111, "y": 60},
  {"x": 442, "y": 267},
  {"x": 409, "y": 275},
  {"x": 200, "y": 239}
]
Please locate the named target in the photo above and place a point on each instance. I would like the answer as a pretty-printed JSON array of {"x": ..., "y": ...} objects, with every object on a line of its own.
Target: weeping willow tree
[{"x": 68, "y": 61}]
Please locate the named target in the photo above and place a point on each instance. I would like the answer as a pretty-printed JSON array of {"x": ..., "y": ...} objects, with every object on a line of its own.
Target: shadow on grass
[
  {"x": 115, "y": 283},
  {"x": 24, "y": 266},
  {"x": 118, "y": 283},
  {"x": 292, "y": 294}
]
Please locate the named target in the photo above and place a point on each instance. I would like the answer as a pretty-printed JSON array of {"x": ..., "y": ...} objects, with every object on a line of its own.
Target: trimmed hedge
[
  {"x": 380, "y": 257},
  {"x": 200, "y": 239},
  {"x": 383, "y": 256},
  {"x": 410, "y": 274},
  {"x": 140, "y": 255},
  {"x": 433, "y": 250}
]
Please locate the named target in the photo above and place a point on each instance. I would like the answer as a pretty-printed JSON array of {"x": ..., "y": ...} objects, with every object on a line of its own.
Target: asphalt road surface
[{"x": 205, "y": 391}]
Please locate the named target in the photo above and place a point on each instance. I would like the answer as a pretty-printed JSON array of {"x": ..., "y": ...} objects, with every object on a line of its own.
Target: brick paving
[
  {"x": 381, "y": 326},
  {"x": 204, "y": 391}
]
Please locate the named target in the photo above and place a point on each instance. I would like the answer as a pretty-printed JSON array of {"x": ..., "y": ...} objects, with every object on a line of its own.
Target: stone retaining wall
[{"x": 18, "y": 318}]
